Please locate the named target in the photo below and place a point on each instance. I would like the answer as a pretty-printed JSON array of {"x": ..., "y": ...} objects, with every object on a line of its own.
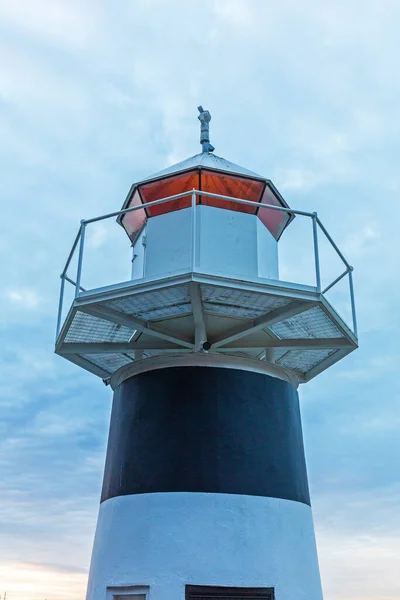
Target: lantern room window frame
[{"x": 186, "y": 202}]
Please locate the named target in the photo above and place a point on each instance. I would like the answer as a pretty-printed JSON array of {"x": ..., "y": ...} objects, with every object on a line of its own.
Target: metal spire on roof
[{"x": 205, "y": 118}]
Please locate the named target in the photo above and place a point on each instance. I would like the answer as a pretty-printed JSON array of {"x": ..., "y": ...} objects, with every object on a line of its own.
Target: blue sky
[{"x": 94, "y": 97}]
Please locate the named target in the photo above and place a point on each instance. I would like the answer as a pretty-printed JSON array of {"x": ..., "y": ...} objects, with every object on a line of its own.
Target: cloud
[
  {"x": 352, "y": 565},
  {"x": 34, "y": 581},
  {"x": 363, "y": 241},
  {"x": 98, "y": 235},
  {"x": 296, "y": 179},
  {"x": 25, "y": 297},
  {"x": 373, "y": 368},
  {"x": 71, "y": 24},
  {"x": 239, "y": 14}
]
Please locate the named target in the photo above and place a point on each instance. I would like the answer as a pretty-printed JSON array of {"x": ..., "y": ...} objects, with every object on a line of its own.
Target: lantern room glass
[
  {"x": 134, "y": 221},
  {"x": 274, "y": 220},
  {"x": 229, "y": 185},
  {"x": 215, "y": 182},
  {"x": 169, "y": 186}
]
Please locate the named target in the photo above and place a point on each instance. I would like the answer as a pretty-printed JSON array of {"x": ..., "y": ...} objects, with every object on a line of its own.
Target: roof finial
[{"x": 205, "y": 118}]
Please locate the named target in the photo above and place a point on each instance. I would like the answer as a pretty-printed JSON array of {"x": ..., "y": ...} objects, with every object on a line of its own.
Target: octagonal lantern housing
[{"x": 209, "y": 173}]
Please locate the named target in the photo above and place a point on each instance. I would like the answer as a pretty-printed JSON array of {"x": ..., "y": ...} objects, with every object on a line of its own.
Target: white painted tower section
[
  {"x": 228, "y": 243},
  {"x": 168, "y": 540},
  {"x": 139, "y": 255}
]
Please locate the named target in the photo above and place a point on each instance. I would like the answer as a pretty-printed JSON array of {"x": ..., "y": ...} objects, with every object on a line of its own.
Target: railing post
[
  {"x": 80, "y": 258},
  {"x": 60, "y": 305},
  {"x": 193, "y": 230},
  {"x": 353, "y": 305},
  {"x": 316, "y": 252}
]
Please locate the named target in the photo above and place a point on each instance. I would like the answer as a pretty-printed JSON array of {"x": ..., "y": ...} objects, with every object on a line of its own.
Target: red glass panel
[
  {"x": 133, "y": 221},
  {"x": 230, "y": 185},
  {"x": 169, "y": 187},
  {"x": 274, "y": 220}
]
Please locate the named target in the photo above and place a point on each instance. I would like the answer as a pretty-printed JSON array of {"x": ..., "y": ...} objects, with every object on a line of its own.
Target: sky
[{"x": 95, "y": 95}]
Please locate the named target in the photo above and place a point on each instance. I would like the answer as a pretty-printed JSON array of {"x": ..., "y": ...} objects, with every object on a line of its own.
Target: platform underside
[{"x": 290, "y": 325}]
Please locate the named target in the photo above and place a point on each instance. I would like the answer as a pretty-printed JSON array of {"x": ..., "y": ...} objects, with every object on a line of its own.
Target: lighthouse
[{"x": 205, "y": 493}]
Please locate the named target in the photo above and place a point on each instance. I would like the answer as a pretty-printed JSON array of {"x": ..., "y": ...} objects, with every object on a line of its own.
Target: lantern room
[
  {"x": 204, "y": 279},
  {"x": 229, "y": 238}
]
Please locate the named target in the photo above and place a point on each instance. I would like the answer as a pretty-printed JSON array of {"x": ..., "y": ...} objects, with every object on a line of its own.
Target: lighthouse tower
[{"x": 205, "y": 492}]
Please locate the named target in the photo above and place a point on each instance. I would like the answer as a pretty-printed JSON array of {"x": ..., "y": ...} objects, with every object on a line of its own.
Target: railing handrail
[
  {"x": 193, "y": 193},
  {"x": 124, "y": 211},
  {"x": 311, "y": 215}
]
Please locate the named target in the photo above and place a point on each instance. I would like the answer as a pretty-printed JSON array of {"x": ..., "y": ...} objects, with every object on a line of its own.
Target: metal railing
[{"x": 317, "y": 227}]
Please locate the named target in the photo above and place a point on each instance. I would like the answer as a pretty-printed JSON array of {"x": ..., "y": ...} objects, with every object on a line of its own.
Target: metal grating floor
[
  {"x": 239, "y": 303},
  {"x": 164, "y": 315},
  {"x": 157, "y": 304},
  {"x": 90, "y": 329},
  {"x": 313, "y": 323}
]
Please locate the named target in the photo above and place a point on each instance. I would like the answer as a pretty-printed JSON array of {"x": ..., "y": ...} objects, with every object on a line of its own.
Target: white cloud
[
  {"x": 362, "y": 242},
  {"x": 352, "y": 566},
  {"x": 296, "y": 179},
  {"x": 97, "y": 235},
  {"x": 24, "y": 297},
  {"x": 358, "y": 542},
  {"x": 240, "y": 14},
  {"x": 71, "y": 23},
  {"x": 35, "y": 581},
  {"x": 374, "y": 368}
]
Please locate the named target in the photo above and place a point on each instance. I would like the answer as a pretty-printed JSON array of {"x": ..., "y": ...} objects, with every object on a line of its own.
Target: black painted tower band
[{"x": 206, "y": 429}]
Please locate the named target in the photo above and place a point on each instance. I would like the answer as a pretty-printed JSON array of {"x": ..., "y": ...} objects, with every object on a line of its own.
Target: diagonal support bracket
[
  {"x": 120, "y": 318},
  {"x": 280, "y": 314}
]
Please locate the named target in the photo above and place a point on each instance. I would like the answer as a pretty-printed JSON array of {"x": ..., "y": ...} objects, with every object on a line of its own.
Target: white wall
[
  {"x": 267, "y": 253},
  {"x": 228, "y": 243},
  {"x": 167, "y": 540},
  {"x": 168, "y": 244},
  {"x": 138, "y": 256}
]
